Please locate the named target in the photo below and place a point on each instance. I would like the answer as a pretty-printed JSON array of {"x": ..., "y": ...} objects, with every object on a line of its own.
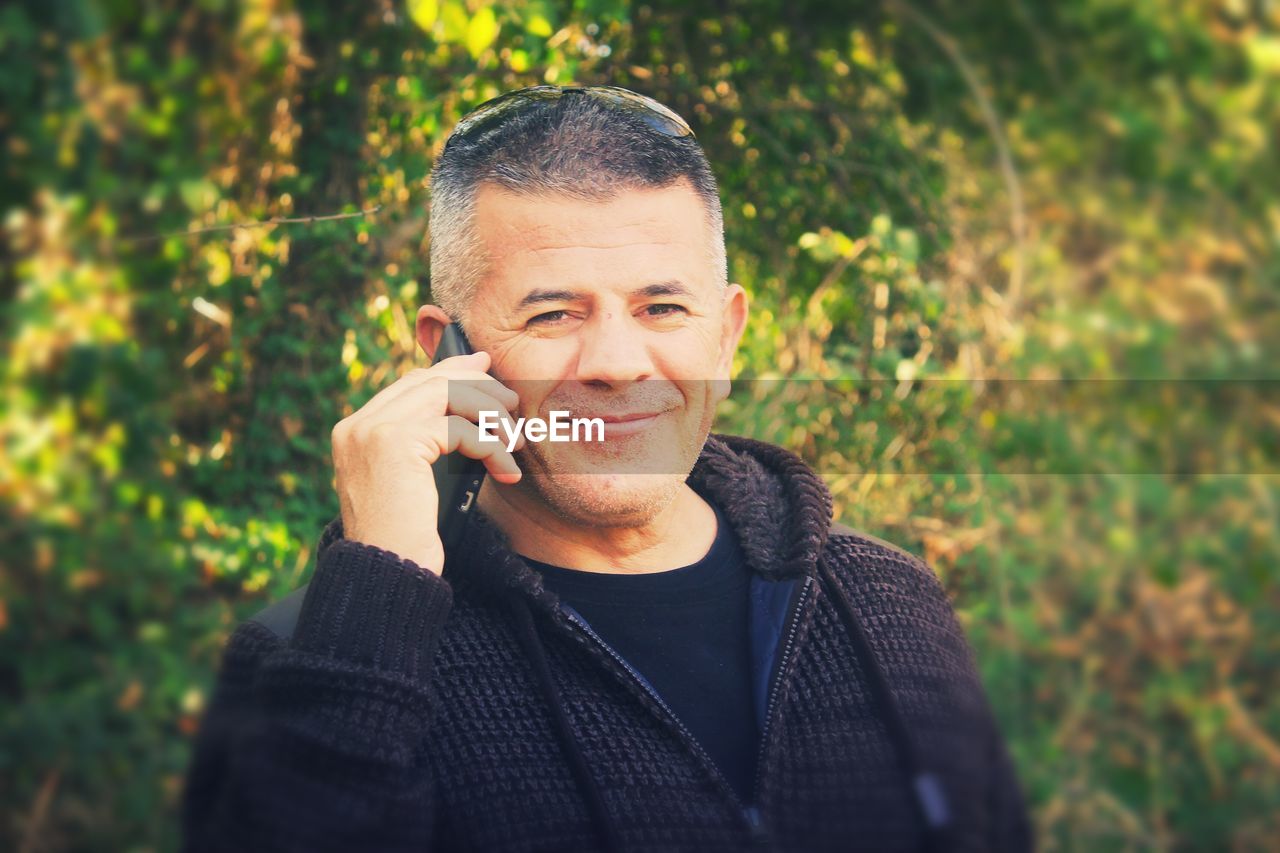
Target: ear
[
  {"x": 430, "y": 328},
  {"x": 733, "y": 321}
]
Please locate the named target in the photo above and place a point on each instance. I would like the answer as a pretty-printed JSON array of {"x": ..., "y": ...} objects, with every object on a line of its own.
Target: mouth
[{"x": 623, "y": 425}]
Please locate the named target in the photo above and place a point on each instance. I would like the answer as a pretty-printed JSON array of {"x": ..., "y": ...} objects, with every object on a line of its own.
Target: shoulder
[
  {"x": 838, "y": 529},
  {"x": 850, "y": 550},
  {"x": 908, "y": 618},
  {"x": 885, "y": 580}
]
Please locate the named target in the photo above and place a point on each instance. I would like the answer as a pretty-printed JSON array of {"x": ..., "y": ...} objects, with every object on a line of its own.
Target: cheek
[
  {"x": 534, "y": 359},
  {"x": 534, "y": 369},
  {"x": 693, "y": 355},
  {"x": 700, "y": 398}
]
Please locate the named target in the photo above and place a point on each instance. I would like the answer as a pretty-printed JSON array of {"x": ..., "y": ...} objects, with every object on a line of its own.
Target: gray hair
[{"x": 571, "y": 146}]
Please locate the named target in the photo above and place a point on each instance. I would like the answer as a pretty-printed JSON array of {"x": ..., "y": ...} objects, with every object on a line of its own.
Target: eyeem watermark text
[{"x": 560, "y": 427}]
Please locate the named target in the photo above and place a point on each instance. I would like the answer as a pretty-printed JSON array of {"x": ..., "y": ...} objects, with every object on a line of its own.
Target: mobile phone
[{"x": 458, "y": 478}]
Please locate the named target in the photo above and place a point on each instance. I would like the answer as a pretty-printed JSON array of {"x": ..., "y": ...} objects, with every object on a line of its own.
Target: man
[{"x": 656, "y": 641}]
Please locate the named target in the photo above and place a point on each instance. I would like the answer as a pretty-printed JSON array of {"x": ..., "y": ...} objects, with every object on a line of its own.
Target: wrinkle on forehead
[
  {"x": 604, "y": 246},
  {"x": 556, "y": 221}
]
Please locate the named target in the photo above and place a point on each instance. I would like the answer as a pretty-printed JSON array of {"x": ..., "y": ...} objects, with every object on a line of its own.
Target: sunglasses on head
[{"x": 493, "y": 112}]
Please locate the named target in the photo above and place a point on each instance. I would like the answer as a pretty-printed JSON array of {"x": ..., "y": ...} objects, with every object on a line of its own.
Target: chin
[
  {"x": 608, "y": 500},
  {"x": 615, "y": 483},
  {"x": 611, "y": 484}
]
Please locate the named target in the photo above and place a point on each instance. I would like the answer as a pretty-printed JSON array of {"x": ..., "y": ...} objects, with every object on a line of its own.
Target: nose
[{"x": 613, "y": 350}]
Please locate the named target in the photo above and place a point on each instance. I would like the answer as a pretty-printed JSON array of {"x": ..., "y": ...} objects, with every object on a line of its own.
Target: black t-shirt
[{"x": 685, "y": 630}]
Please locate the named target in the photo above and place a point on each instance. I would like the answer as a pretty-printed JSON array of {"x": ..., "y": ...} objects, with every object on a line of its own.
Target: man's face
[{"x": 607, "y": 309}]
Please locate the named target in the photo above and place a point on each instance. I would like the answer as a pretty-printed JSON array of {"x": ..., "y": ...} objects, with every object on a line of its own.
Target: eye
[
  {"x": 664, "y": 310},
  {"x": 547, "y": 318}
]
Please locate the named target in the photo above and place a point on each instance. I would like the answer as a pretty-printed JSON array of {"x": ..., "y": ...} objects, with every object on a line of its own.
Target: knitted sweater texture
[{"x": 410, "y": 711}]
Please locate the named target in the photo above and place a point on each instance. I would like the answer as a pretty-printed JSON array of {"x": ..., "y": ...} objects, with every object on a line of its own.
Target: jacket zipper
[
  {"x": 784, "y": 654},
  {"x": 757, "y": 831}
]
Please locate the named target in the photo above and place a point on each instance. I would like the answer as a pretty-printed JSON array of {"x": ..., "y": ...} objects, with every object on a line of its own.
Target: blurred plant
[{"x": 940, "y": 211}]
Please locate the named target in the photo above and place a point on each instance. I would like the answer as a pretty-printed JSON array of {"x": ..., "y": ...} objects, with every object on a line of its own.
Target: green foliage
[{"x": 938, "y": 216}]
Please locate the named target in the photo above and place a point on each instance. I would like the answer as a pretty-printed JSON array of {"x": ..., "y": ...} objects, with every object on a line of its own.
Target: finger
[
  {"x": 464, "y": 398},
  {"x": 440, "y": 378},
  {"x": 457, "y": 434},
  {"x": 472, "y": 361},
  {"x": 486, "y": 383},
  {"x": 413, "y": 378},
  {"x": 477, "y": 405},
  {"x": 466, "y": 367}
]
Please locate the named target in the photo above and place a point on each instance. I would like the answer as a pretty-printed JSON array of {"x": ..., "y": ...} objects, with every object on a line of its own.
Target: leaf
[
  {"x": 907, "y": 245},
  {"x": 1264, "y": 54},
  {"x": 424, "y": 13},
  {"x": 538, "y": 25},
  {"x": 537, "y": 19},
  {"x": 454, "y": 16},
  {"x": 199, "y": 195},
  {"x": 843, "y": 244},
  {"x": 481, "y": 32}
]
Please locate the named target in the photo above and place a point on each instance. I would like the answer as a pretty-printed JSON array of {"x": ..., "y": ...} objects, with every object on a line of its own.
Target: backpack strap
[{"x": 281, "y": 617}]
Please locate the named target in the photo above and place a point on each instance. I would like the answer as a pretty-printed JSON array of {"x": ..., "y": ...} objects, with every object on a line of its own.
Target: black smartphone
[{"x": 458, "y": 478}]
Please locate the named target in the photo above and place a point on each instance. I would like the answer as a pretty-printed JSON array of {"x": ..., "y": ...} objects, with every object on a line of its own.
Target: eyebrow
[
  {"x": 538, "y": 297},
  {"x": 666, "y": 288},
  {"x": 542, "y": 295}
]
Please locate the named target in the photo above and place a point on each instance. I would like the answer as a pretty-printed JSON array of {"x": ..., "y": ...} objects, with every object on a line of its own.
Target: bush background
[{"x": 960, "y": 192}]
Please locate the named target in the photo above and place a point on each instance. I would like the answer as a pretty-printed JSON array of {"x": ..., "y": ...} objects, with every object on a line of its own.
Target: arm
[
  {"x": 314, "y": 742},
  {"x": 314, "y": 738}
]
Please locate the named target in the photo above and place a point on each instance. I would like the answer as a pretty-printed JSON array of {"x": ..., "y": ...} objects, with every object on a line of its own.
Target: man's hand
[{"x": 382, "y": 454}]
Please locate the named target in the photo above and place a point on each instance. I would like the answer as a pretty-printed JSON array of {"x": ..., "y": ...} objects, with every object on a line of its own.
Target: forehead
[{"x": 645, "y": 232}]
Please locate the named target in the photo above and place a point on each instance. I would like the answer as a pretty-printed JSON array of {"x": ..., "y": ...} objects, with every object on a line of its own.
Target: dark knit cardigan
[{"x": 408, "y": 711}]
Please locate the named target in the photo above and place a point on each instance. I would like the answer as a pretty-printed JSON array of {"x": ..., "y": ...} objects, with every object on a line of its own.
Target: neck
[{"x": 678, "y": 535}]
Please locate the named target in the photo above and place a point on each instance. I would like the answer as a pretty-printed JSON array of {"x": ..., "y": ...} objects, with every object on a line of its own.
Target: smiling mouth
[
  {"x": 623, "y": 425},
  {"x": 622, "y": 419}
]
